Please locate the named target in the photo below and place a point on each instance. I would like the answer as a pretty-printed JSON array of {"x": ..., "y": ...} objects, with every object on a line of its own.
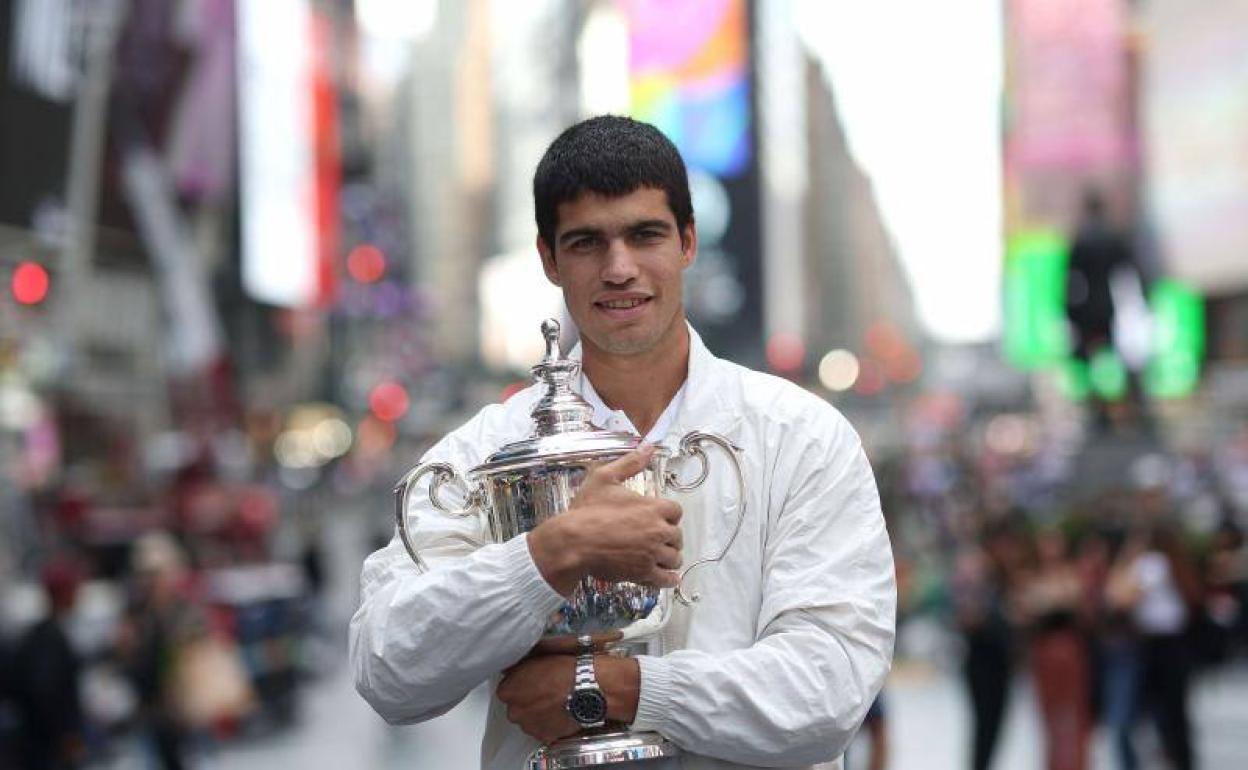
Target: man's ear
[
  {"x": 689, "y": 243},
  {"x": 548, "y": 261}
]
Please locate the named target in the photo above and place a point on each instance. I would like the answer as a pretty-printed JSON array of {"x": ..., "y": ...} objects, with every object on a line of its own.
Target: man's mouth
[{"x": 623, "y": 304}]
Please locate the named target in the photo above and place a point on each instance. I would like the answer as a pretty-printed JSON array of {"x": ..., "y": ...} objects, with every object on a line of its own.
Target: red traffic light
[{"x": 30, "y": 283}]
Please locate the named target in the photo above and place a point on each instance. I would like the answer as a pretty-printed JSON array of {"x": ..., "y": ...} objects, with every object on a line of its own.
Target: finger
[
  {"x": 563, "y": 730},
  {"x": 668, "y": 558},
  {"x": 675, "y": 538},
  {"x": 670, "y": 511},
  {"x": 664, "y": 578},
  {"x": 568, "y": 645},
  {"x": 623, "y": 468}
]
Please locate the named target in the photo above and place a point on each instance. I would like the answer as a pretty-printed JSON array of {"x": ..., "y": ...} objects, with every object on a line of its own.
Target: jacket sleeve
[
  {"x": 419, "y": 642},
  {"x": 826, "y": 628}
]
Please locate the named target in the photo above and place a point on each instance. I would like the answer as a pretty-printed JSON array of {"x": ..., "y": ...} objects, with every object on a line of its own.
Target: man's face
[{"x": 619, "y": 262}]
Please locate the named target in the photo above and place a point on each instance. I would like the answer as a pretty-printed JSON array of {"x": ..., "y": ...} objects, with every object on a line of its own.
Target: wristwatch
[{"x": 586, "y": 703}]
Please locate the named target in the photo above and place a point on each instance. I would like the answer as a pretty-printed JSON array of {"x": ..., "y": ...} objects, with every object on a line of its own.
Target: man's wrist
[
  {"x": 620, "y": 680},
  {"x": 555, "y": 557}
]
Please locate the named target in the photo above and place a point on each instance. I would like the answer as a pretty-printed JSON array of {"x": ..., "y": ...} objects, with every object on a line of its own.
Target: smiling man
[{"x": 778, "y": 665}]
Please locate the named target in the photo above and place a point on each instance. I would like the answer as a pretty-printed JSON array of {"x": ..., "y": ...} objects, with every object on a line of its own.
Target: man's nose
[{"x": 620, "y": 265}]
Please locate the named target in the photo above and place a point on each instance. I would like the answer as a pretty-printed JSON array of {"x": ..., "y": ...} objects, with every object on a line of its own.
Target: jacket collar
[{"x": 706, "y": 404}]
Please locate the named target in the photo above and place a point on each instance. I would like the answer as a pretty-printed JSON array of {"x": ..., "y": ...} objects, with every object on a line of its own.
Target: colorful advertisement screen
[
  {"x": 690, "y": 75},
  {"x": 689, "y": 68}
]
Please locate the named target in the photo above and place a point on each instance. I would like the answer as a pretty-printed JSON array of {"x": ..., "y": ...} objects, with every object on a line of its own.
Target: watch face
[{"x": 588, "y": 707}]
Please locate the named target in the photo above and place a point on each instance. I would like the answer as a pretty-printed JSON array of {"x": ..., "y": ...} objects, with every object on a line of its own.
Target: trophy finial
[
  {"x": 550, "y": 330},
  {"x": 561, "y": 409}
]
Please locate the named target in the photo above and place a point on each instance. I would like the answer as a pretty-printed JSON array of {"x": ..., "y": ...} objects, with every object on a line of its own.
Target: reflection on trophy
[{"x": 528, "y": 481}]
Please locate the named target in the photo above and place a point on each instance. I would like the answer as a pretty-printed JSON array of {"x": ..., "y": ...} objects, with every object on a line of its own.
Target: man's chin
[{"x": 625, "y": 343}]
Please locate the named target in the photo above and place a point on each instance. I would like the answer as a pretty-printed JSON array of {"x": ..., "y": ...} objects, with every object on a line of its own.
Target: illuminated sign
[
  {"x": 288, "y": 153},
  {"x": 689, "y": 68}
]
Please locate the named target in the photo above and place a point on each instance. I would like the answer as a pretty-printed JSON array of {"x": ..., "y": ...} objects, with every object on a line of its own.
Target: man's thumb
[{"x": 629, "y": 465}]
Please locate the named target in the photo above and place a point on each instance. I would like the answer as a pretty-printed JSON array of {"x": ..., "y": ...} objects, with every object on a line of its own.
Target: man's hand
[
  {"x": 611, "y": 532},
  {"x": 535, "y": 692}
]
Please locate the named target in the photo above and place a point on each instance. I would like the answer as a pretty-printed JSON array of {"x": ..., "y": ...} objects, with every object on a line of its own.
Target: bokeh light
[
  {"x": 388, "y": 400},
  {"x": 30, "y": 283},
  {"x": 785, "y": 352},
  {"x": 366, "y": 263},
  {"x": 838, "y": 370}
]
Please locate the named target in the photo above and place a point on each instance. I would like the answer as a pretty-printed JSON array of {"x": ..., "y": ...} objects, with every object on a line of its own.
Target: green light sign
[
  {"x": 1036, "y": 330},
  {"x": 1035, "y": 335},
  {"x": 1178, "y": 340}
]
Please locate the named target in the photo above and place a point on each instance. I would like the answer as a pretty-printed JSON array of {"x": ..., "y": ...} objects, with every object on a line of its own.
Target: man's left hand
[{"x": 535, "y": 692}]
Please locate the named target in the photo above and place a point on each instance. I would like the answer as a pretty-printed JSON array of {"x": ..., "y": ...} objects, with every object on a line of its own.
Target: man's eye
[
  {"x": 648, "y": 236},
  {"x": 582, "y": 244}
]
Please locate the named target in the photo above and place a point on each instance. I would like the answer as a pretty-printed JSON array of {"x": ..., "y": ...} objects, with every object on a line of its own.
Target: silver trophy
[{"x": 527, "y": 482}]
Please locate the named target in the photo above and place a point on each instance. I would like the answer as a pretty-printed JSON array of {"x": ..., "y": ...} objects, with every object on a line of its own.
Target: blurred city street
[
  {"x": 929, "y": 725},
  {"x": 927, "y": 711},
  {"x": 259, "y": 257}
]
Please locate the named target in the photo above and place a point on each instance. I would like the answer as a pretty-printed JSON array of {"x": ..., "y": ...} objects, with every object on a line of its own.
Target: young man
[{"x": 778, "y": 663}]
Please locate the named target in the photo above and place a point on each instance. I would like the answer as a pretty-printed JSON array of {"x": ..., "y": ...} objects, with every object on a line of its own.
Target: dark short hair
[{"x": 609, "y": 155}]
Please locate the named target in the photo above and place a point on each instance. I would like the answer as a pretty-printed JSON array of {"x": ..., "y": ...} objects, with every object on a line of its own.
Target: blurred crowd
[
  {"x": 1110, "y": 619},
  {"x": 1109, "y": 595},
  {"x": 158, "y": 664}
]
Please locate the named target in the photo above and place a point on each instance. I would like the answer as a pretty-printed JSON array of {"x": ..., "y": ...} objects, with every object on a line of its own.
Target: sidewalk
[{"x": 928, "y": 725}]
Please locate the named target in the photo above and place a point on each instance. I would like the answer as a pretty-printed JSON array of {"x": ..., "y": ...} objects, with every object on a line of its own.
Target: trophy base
[{"x": 601, "y": 749}]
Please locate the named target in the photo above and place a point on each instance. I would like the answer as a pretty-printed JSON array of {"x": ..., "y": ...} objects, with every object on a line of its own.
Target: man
[
  {"x": 46, "y": 672},
  {"x": 778, "y": 664}
]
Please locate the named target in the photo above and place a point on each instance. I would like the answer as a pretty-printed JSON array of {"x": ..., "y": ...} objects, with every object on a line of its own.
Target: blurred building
[
  {"x": 1193, "y": 117},
  {"x": 854, "y": 278},
  {"x": 534, "y": 93}
]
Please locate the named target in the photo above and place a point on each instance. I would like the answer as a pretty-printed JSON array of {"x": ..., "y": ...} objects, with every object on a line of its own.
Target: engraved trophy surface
[{"x": 529, "y": 481}]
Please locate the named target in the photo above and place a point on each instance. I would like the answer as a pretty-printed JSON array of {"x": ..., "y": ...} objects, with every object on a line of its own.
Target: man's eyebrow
[
  {"x": 597, "y": 232},
  {"x": 579, "y": 232}
]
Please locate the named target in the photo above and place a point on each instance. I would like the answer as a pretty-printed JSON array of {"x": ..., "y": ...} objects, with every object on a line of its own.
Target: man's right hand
[{"x": 610, "y": 531}]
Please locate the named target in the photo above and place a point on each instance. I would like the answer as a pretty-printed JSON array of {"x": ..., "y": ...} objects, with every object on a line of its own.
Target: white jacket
[{"x": 777, "y": 664}]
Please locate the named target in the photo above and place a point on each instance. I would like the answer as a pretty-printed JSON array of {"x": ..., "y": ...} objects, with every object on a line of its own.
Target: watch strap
[
  {"x": 585, "y": 684},
  {"x": 585, "y": 677}
]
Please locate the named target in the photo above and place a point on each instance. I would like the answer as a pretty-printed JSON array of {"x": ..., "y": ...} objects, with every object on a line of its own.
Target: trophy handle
[
  {"x": 442, "y": 473},
  {"x": 692, "y": 446}
]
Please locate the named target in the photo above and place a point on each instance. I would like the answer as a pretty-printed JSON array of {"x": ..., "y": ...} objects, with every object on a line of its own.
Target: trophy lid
[{"x": 563, "y": 427}]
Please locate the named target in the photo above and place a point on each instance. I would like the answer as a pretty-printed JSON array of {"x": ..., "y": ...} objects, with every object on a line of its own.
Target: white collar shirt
[
  {"x": 616, "y": 420},
  {"x": 774, "y": 667}
]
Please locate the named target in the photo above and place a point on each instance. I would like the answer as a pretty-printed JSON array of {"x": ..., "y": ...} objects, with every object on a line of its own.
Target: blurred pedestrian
[
  {"x": 982, "y": 578},
  {"x": 157, "y": 623},
  {"x": 1093, "y": 562},
  {"x": 1168, "y": 592},
  {"x": 1051, "y": 601},
  {"x": 1224, "y": 576},
  {"x": 1119, "y": 646},
  {"x": 45, "y": 672}
]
